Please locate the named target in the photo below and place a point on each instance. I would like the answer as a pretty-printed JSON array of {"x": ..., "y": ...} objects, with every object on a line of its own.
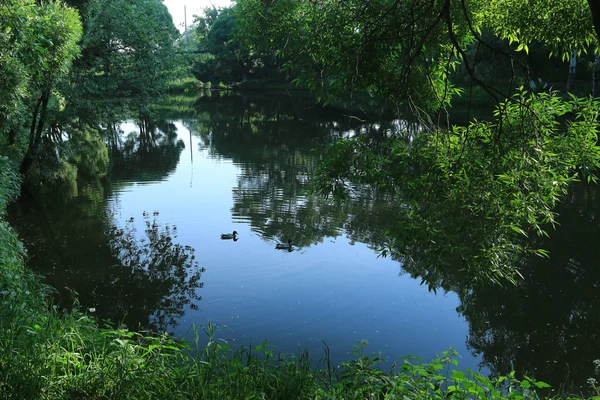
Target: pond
[{"x": 144, "y": 249}]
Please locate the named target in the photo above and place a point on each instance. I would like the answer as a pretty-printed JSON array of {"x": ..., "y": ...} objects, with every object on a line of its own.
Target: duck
[
  {"x": 229, "y": 235},
  {"x": 284, "y": 246}
]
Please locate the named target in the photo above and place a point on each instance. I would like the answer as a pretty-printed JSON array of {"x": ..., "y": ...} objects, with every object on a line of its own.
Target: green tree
[
  {"x": 499, "y": 180},
  {"x": 14, "y": 34},
  {"x": 128, "y": 57},
  {"x": 398, "y": 50},
  {"x": 222, "y": 58},
  {"x": 565, "y": 27},
  {"x": 56, "y": 30}
]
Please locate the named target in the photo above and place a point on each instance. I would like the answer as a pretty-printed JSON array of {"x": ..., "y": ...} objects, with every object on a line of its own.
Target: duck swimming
[
  {"x": 284, "y": 246},
  {"x": 229, "y": 235}
]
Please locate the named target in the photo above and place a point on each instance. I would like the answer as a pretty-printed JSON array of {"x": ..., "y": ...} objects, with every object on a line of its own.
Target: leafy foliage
[
  {"x": 128, "y": 57},
  {"x": 10, "y": 182},
  {"x": 561, "y": 26},
  {"x": 220, "y": 58},
  {"x": 500, "y": 181},
  {"x": 471, "y": 193},
  {"x": 38, "y": 44},
  {"x": 397, "y": 50},
  {"x": 127, "y": 53}
]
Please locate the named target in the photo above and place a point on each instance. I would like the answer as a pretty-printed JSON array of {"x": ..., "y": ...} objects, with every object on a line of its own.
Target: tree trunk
[
  {"x": 35, "y": 134},
  {"x": 596, "y": 78},
  {"x": 595, "y": 9},
  {"x": 572, "y": 70},
  {"x": 12, "y": 137}
]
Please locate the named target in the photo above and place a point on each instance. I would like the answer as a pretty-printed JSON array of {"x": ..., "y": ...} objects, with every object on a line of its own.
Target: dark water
[{"x": 144, "y": 249}]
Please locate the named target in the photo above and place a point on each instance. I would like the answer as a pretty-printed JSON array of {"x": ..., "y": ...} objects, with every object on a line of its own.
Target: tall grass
[{"x": 49, "y": 354}]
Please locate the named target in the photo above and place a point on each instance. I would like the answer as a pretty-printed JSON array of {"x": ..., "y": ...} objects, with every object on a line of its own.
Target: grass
[
  {"x": 187, "y": 84},
  {"x": 49, "y": 354}
]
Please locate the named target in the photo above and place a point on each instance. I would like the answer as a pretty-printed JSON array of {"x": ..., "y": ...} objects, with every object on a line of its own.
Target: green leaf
[{"x": 542, "y": 385}]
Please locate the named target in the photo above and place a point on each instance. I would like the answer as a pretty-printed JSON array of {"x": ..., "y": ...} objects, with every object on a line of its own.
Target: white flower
[{"x": 591, "y": 382}]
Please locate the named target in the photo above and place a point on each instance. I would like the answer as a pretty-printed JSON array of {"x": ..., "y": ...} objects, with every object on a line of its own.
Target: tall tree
[
  {"x": 56, "y": 30},
  {"x": 128, "y": 56},
  {"x": 221, "y": 56}
]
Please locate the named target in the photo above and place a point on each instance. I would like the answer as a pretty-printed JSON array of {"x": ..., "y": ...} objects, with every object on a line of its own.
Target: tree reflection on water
[
  {"x": 143, "y": 279},
  {"x": 545, "y": 326},
  {"x": 160, "y": 275}
]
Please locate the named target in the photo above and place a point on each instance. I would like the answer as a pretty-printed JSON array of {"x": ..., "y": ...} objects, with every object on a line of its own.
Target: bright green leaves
[
  {"x": 559, "y": 25},
  {"x": 37, "y": 45},
  {"x": 473, "y": 195},
  {"x": 58, "y": 30}
]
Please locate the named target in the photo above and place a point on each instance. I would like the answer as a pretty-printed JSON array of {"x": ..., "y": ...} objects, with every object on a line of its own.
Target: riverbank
[
  {"x": 189, "y": 84},
  {"x": 51, "y": 354}
]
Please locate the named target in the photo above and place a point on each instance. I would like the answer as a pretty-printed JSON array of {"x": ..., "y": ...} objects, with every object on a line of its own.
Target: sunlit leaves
[
  {"x": 559, "y": 25},
  {"x": 473, "y": 194},
  {"x": 38, "y": 42}
]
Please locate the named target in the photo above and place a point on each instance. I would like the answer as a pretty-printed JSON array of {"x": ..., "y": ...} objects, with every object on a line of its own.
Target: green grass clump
[
  {"x": 187, "y": 84},
  {"x": 49, "y": 354},
  {"x": 68, "y": 357}
]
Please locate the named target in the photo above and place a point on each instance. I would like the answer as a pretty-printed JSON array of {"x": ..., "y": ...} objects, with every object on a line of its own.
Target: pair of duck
[{"x": 280, "y": 246}]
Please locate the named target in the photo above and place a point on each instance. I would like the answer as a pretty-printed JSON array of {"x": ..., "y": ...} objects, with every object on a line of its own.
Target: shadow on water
[
  {"x": 545, "y": 327},
  {"x": 149, "y": 152}
]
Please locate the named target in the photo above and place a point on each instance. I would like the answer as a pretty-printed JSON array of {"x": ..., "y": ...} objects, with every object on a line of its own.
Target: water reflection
[
  {"x": 136, "y": 270},
  {"x": 136, "y": 274},
  {"x": 547, "y": 326},
  {"x": 274, "y": 143},
  {"x": 149, "y": 151},
  {"x": 161, "y": 276}
]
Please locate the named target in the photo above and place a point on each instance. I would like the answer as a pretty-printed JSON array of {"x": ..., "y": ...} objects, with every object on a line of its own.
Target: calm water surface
[{"x": 144, "y": 249}]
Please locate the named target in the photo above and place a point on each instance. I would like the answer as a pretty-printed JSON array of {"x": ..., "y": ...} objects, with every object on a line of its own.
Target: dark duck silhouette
[
  {"x": 225, "y": 236},
  {"x": 284, "y": 246}
]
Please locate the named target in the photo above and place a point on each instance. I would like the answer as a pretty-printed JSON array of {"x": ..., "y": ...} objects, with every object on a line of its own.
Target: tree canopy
[
  {"x": 502, "y": 178},
  {"x": 561, "y": 26},
  {"x": 73, "y": 73}
]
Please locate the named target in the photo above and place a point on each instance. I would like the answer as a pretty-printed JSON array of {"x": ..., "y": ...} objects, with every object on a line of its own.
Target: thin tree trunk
[
  {"x": 35, "y": 134},
  {"x": 12, "y": 137},
  {"x": 36, "y": 111},
  {"x": 595, "y": 9},
  {"x": 572, "y": 70},
  {"x": 596, "y": 78}
]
